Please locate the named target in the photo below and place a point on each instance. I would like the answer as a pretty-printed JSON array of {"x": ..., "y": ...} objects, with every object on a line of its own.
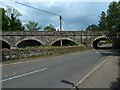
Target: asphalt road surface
[{"x": 47, "y": 73}]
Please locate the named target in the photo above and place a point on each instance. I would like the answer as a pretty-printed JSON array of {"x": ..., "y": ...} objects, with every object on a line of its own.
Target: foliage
[
  {"x": 103, "y": 22},
  {"x": 92, "y": 28},
  {"x": 104, "y": 42},
  {"x": 110, "y": 20},
  {"x": 10, "y": 21},
  {"x": 113, "y": 16},
  {"x": 12, "y": 12},
  {"x": 5, "y": 19},
  {"x": 32, "y": 26},
  {"x": 49, "y": 28}
]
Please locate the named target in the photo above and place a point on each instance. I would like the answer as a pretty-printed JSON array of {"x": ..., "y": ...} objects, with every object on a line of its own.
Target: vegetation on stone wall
[{"x": 15, "y": 54}]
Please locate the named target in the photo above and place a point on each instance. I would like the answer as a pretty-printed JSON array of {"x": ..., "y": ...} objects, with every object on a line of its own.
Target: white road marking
[
  {"x": 90, "y": 72},
  {"x": 23, "y": 75}
]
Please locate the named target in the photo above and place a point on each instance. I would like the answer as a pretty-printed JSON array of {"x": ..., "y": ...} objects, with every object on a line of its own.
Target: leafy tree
[
  {"x": 88, "y": 28},
  {"x": 4, "y": 20},
  {"x": 32, "y": 26},
  {"x": 92, "y": 28},
  {"x": 113, "y": 16},
  {"x": 12, "y": 12},
  {"x": 50, "y": 28},
  {"x": 110, "y": 20},
  {"x": 103, "y": 22},
  {"x": 10, "y": 21}
]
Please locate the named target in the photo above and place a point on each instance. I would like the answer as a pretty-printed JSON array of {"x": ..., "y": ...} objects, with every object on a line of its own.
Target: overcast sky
[{"x": 77, "y": 14}]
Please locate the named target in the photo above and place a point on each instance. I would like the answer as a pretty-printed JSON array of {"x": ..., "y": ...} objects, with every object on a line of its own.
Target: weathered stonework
[
  {"x": 48, "y": 38},
  {"x": 14, "y": 54}
]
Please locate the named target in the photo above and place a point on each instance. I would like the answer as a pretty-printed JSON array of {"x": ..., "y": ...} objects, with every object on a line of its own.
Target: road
[
  {"x": 48, "y": 72},
  {"x": 106, "y": 46},
  {"x": 106, "y": 76}
]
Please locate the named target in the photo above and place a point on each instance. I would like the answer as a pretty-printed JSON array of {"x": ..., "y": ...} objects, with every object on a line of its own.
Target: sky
[{"x": 77, "y": 14}]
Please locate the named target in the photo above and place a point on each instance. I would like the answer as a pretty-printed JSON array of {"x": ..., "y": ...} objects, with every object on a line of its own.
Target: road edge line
[{"x": 105, "y": 59}]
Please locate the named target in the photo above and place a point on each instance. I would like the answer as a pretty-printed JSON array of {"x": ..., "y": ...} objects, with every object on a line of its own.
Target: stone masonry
[{"x": 48, "y": 38}]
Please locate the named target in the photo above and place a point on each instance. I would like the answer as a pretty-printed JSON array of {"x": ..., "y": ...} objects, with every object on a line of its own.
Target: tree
[
  {"x": 4, "y": 20},
  {"x": 10, "y": 21},
  {"x": 103, "y": 22},
  {"x": 12, "y": 12},
  {"x": 113, "y": 19},
  {"x": 92, "y": 28},
  {"x": 49, "y": 28},
  {"x": 32, "y": 26},
  {"x": 113, "y": 16}
]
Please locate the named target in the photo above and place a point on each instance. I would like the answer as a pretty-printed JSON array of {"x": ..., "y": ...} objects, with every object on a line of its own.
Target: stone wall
[
  {"x": 14, "y": 54},
  {"x": 48, "y": 38}
]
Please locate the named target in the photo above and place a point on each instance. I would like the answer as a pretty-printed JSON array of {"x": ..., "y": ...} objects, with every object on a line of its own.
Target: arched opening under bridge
[
  {"x": 102, "y": 43},
  {"x": 28, "y": 43},
  {"x": 4, "y": 44}
]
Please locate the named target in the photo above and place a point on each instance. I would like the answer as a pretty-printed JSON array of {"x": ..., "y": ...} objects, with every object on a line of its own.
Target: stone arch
[
  {"x": 64, "y": 41},
  {"x": 97, "y": 39},
  {"x": 5, "y": 44},
  {"x": 29, "y": 42}
]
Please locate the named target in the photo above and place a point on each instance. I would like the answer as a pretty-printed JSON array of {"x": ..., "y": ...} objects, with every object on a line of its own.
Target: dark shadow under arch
[
  {"x": 28, "y": 43},
  {"x": 65, "y": 42},
  {"x": 4, "y": 44},
  {"x": 96, "y": 42}
]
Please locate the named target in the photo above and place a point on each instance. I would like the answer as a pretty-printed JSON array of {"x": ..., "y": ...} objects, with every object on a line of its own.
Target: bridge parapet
[{"x": 42, "y": 33}]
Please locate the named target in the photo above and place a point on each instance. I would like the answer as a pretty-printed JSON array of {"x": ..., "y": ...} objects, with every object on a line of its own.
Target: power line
[
  {"x": 42, "y": 11},
  {"x": 66, "y": 24},
  {"x": 36, "y": 8}
]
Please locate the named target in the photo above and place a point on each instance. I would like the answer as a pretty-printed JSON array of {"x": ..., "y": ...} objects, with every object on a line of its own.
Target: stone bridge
[{"x": 20, "y": 39}]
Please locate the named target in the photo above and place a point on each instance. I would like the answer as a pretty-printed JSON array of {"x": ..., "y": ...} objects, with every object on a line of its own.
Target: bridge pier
[{"x": 13, "y": 47}]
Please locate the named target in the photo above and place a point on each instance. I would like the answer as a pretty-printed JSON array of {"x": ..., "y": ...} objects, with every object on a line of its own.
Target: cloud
[
  {"x": 77, "y": 15},
  {"x": 52, "y": 1}
]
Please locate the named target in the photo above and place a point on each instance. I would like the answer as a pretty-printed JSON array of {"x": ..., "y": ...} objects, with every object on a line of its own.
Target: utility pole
[
  {"x": 81, "y": 38},
  {"x": 60, "y": 17}
]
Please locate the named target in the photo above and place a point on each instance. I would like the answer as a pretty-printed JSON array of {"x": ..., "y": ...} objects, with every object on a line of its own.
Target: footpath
[{"x": 106, "y": 76}]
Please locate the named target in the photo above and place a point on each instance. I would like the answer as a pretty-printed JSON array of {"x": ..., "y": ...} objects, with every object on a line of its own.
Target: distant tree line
[
  {"x": 11, "y": 22},
  {"x": 109, "y": 20}
]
